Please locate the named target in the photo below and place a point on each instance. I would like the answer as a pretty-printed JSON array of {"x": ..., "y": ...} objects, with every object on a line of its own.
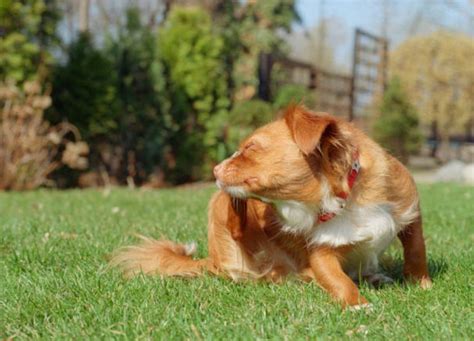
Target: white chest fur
[
  {"x": 352, "y": 225},
  {"x": 370, "y": 229},
  {"x": 373, "y": 225},
  {"x": 297, "y": 217}
]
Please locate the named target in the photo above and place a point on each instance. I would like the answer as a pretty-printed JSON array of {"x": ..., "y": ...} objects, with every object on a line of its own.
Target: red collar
[{"x": 351, "y": 178}]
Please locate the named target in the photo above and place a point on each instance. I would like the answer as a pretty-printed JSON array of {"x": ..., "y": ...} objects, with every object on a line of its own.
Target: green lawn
[{"x": 54, "y": 282}]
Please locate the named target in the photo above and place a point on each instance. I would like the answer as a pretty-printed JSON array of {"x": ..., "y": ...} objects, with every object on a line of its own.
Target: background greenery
[
  {"x": 54, "y": 283},
  {"x": 163, "y": 93},
  {"x": 152, "y": 99},
  {"x": 397, "y": 125}
]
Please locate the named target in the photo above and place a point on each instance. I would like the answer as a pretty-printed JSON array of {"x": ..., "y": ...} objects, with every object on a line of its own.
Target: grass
[{"x": 54, "y": 284}]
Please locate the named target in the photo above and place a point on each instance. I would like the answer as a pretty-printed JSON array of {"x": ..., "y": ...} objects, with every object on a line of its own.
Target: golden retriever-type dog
[{"x": 308, "y": 194}]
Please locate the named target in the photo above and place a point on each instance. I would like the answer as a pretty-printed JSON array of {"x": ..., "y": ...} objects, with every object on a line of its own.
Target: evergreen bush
[{"x": 397, "y": 127}]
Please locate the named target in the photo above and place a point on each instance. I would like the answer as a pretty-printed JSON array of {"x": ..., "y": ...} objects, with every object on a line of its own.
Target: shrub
[
  {"x": 397, "y": 127},
  {"x": 29, "y": 146},
  {"x": 191, "y": 54},
  {"x": 294, "y": 93},
  {"x": 244, "y": 118},
  {"x": 28, "y": 31}
]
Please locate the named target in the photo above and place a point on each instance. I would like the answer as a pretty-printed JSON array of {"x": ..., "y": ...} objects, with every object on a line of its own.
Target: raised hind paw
[{"x": 379, "y": 280}]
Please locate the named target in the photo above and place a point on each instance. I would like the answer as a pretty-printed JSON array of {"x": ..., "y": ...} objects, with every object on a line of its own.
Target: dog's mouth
[
  {"x": 237, "y": 190},
  {"x": 241, "y": 190}
]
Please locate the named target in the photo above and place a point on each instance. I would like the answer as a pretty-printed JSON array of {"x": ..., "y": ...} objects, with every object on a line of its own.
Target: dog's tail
[{"x": 159, "y": 257}]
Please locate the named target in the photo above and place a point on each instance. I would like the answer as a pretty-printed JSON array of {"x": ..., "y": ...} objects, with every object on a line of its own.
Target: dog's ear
[
  {"x": 309, "y": 131},
  {"x": 319, "y": 135}
]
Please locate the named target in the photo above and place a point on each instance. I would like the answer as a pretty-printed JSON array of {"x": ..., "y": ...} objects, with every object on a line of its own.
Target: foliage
[
  {"x": 29, "y": 147},
  {"x": 397, "y": 126},
  {"x": 28, "y": 30},
  {"x": 246, "y": 117},
  {"x": 248, "y": 28},
  {"x": 84, "y": 90},
  {"x": 190, "y": 52},
  {"x": 148, "y": 103},
  {"x": 294, "y": 93},
  {"x": 438, "y": 73}
]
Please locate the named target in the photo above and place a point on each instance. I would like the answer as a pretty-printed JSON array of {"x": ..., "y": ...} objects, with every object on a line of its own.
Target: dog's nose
[{"x": 217, "y": 170}]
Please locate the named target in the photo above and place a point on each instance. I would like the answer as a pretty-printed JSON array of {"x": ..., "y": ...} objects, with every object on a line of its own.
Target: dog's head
[{"x": 288, "y": 159}]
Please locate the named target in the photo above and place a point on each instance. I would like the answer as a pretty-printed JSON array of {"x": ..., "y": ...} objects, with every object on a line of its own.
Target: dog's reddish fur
[{"x": 285, "y": 160}]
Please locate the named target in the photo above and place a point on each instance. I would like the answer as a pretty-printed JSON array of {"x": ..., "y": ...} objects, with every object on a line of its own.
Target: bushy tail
[{"x": 159, "y": 257}]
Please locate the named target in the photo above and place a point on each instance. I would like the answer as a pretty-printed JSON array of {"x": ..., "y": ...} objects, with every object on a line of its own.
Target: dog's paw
[
  {"x": 426, "y": 283},
  {"x": 379, "y": 280},
  {"x": 368, "y": 307},
  {"x": 190, "y": 248}
]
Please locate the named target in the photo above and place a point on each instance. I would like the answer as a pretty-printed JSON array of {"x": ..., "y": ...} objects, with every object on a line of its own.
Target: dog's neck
[{"x": 298, "y": 217}]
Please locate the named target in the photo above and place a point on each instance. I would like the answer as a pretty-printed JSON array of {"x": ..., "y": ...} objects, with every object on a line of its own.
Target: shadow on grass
[{"x": 394, "y": 268}]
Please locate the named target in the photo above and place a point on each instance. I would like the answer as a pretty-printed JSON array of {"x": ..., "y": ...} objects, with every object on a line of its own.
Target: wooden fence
[{"x": 344, "y": 95}]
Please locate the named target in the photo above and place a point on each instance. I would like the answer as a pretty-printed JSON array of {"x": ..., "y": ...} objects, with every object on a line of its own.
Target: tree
[
  {"x": 309, "y": 45},
  {"x": 85, "y": 94},
  {"x": 397, "y": 127},
  {"x": 248, "y": 28},
  {"x": 438, "y": 74},
  {"x": 142, "y": 118},
  {"x": 84, "y": 90}
]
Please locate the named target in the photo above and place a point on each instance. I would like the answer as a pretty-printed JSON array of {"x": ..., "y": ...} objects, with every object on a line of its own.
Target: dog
[{"x": 307, "y": 194}]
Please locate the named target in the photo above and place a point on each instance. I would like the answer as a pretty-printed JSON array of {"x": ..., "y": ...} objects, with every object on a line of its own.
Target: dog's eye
[{"x": 249, "y": 146}]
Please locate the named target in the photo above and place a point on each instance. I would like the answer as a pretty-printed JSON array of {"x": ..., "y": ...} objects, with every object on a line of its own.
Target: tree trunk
[
  {"x": 84, "y": 16},
  {"x": 443, "y": 153},
  {"x": 434, "y": 137}
]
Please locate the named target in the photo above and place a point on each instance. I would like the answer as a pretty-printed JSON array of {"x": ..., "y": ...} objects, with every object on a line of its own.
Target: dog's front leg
[{"x": 326, "y": 264}]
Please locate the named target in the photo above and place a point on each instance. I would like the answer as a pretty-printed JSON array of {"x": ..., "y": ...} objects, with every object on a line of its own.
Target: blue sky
[
  {"x": 404, "y": 18},
  {"x": 368, "y": 14},
  {"x": 355, "y": 13}
]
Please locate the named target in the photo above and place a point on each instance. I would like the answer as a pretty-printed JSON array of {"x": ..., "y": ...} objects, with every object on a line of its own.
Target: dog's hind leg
[
  {"x": 238, "y": 244},
  {"x": 229, "y": 232},
  {"x": 415, "y": 267}
]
